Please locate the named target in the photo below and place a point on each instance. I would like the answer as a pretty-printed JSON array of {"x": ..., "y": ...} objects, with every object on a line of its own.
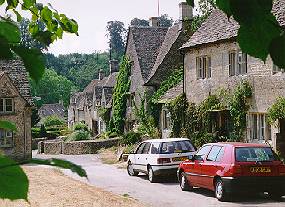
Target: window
[
  {"x": 6, "y": 138},
  {"x": 276, "y": 69},
  {"x": 256, "y": 126},
  {"x": 146, "y": 148},
  {"x": 203, "y": 67},
  {"x": 177, "y": 147},
  {"x": 166, "y": 119},
  {"x": 6, "y": 105},
  {"x": 237, "y": 63},
  {"x": 202, "y": 153},
  {"x": 254, "y": 154},
  {"x": 140, "y": 148},
  {"x": 215, "y": 154},
  {"x": 155, "y": 148}
]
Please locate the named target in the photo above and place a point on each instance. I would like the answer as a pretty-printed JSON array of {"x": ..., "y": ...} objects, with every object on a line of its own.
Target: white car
[{"x": 159, "y": 157}]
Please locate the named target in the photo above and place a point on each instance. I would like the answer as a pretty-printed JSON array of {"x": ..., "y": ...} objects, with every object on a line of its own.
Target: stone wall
[
  {"x": 76, "y": 148},
  {"x": 36, "y": 141}
]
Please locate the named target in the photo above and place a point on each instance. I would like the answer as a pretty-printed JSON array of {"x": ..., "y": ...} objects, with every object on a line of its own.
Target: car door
[
  {"x": 193, "y": 169},
  {"x": 145, "y": 156},
  {"x": 138, "y": 157},
  {"x": 211, "y": 166}
]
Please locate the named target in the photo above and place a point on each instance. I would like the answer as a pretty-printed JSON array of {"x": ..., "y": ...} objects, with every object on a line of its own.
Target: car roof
[
  {"x": 167, "y": 140},
  {"x": 241, "y": 144}
]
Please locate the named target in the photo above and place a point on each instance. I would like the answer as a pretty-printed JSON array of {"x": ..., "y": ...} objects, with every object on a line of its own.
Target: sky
[{"x": 92, "y": 17}]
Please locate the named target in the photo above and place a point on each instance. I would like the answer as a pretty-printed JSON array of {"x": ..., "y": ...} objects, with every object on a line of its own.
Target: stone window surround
[
  {"x": 5, "y": 136},
  {"x": 203, "y": 67},
  {"x": 4, "y": 103},
  {"x": 257, "y": 128},
  {"x": 238, "y": 63}
]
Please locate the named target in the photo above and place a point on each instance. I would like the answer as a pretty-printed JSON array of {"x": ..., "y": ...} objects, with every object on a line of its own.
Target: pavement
[{"x": 166, "y": 193}]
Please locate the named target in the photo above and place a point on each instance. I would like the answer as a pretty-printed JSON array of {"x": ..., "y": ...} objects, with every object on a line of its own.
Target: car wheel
[
  {"x": 275, "y": 195},
  {"x": 184, "y": 184},
  {"x": 151, "y": 176},
  {"x": 220, "y": 192},
  {"x": 131, "y": 171}
]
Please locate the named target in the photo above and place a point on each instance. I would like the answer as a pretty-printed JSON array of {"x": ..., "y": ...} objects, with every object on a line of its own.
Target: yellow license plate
[
  {"x": 260, "y": 169},
  {"x": 176, "y": 159}
]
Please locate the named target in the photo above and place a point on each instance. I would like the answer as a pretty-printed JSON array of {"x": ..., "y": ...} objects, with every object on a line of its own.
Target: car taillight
[
  {"x": 163, "y": 160},
  {"x": 235, "y": 170},
  {"x": 282, "y": 169}
]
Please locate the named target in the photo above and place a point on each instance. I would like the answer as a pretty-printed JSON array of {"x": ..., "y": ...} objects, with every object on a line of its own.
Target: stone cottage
[
  {"x": 84, "y": 106},
  {"x": 213, "y": 60},
  {"x": 15, "y": 106},
  {"x": 170, "y": 59},
  {"x": 56, "y": 109}
]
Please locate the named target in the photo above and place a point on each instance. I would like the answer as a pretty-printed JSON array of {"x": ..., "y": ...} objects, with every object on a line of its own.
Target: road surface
[{"x": 166, "y": 194}]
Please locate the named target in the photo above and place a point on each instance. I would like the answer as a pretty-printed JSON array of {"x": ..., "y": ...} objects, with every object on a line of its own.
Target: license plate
[
  {"x": 260, "y": 170},
  {"x": 176, "y": 159}
]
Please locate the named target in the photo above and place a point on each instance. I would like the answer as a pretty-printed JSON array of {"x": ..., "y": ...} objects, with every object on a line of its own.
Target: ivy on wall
[
  {"x": 104, "y": 113},
  {"x": 119, "y": 103},
  {"x": 276, "y": 111}
]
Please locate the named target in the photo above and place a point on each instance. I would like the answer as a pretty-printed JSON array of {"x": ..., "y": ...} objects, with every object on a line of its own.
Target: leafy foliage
[
  {"x": 117, "y": 36},
  {"x": 164, "y": 21},
  {"x": 120, "y": 97},
  {"x": 80, "y": 127},
  {"x": 52, "y": 88},
  {"x": 139, "y": 22},
  {"x": 276, "y": 111},
  {"x": 78, "y": 135},
  {"x": 7, "y": 125},
  {"x": 53, "y": 120},
  {"x": 131, "y": 138},
  {"x": 105, "y": 113}
]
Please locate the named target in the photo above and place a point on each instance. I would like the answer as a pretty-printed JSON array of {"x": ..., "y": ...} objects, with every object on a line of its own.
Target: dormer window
[
  {"x": 203, "y": 67},
  {"x": 237, "y": 63},
  {"x": 6, "y": 105}
]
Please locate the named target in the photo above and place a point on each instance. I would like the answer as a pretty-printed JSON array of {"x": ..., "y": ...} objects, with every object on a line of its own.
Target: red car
[{"x": 229, "y": 168}]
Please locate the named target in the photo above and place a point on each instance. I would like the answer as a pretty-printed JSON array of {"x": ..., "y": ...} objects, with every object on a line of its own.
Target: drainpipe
[
  {"x": 183, "y": 66},
  {"x": 25, "y": 135}
]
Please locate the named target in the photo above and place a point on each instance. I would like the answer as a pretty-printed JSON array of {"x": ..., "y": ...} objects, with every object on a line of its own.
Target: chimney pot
[
  {"x": 153, "y": 21},
  {"x": 114, "y": 66},
  {"x": 185, "y": 12}
]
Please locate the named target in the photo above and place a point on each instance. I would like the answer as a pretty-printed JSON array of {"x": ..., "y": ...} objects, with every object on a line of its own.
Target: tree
[
  {"x": 35, "y": 117},
  {"x": 165, "y": 21},
  {"x": 139, "y": 22},
  {"x": 26, "y": 38},
  {"x": 116, "y": 33},
  {"x": 52, "y": 88}
]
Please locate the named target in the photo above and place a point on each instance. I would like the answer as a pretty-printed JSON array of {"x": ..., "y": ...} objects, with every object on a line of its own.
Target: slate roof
[
  {"x": 169, "y": 57},
  {"x": 110, "y": 81},
  {"x": 52, "y": 109},
  {"x": 19, "y": 77},
  {"x": 218, "y": 27},
  {"x": 89, "y": 90},
  {"x": 172, "y": 93},
  {"x": 147, "y": 42}
]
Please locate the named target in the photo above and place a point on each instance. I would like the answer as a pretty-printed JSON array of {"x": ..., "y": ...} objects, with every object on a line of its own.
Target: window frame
[
  {"x": 7, "y": 137},
  {"x": 238, "y": 63},
  {"x": 219, "y": 154},
  {"x": 203, "y": 67},
  {"x": 257, "y": 126},
  {"x": 4, "y": 105}
]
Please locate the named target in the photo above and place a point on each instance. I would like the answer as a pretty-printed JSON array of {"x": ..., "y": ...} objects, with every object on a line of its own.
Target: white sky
[{"x": 93, "y": 15}]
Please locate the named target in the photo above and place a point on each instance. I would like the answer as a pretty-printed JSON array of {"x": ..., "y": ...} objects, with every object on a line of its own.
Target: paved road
[{"x": 166, "y": 194}]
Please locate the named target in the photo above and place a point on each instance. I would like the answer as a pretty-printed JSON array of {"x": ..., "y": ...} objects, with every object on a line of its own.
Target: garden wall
[{"x": 77, "y": 147}]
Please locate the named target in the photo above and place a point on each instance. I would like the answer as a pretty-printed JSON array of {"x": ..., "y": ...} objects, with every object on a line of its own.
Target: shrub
[
  {"x": 129, "y": 149},
  {"x": 78, "y": 136},
  {"x": 36, "y": 132},
  {"x": 131, "y": 138},
  {"x": 80, "y": 126},
  {"x": 53, "y": 121},
  {"x": 43, "y": 132}
]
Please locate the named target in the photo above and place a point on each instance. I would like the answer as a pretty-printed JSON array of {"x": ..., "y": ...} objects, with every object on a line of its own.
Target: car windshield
[
  {"x": 177, "y": 147},
  {"x": 254, "y": 154}
]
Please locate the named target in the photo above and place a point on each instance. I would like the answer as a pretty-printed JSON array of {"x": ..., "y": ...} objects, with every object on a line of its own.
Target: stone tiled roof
[
  {"x": 89, "y": 90},
  {"x": 169, "y": 57},
  {"x": 147, "y": 42},
  {"x": 18, "y": 75},
  {"x": 111, "y": 80},
  {"x": 218, "y": 27},
  {"x": 52, "y": 109},
  {"x": 172, "y": 93}
]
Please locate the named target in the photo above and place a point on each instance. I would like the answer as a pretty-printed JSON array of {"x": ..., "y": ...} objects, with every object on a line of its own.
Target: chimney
[
  {"x": 185, "y": 12},
  {"x": 114, "y": 66},
  {"x": 153, "y": 21},
  {"x": 101, "y": 74}
]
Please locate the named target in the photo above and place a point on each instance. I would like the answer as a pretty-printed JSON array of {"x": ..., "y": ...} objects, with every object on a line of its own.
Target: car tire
[
  {"x": 220, "y": 192},
  {"x": 131, "y": 170},
  {"x": 275, "y": 195},
  {"x": 151, "y": 176},
  {"x": 184, "y": 183}
]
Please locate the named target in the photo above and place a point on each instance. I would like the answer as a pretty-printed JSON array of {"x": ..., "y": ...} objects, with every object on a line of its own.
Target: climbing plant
[
  {"x": 119, "y": 103},
  {"x": 104, "y": 113},
  {"x": 276, "y": 111}
]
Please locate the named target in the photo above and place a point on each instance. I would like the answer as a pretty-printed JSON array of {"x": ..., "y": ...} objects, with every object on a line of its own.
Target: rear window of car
[
  {"x": 177, "y": 147},
  {"x": 254, "y": 154}
]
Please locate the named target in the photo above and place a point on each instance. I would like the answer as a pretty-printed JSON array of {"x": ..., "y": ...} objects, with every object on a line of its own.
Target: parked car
[
  {"x": 230, "y": 168},
  {"x": 158, "y": 157}
]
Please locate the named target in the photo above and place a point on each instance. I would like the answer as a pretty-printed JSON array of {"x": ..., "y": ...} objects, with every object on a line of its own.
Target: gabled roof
[
  {"x": 169, "y": 57},
  {"x": 147, "y": 41},
  {"x": 172, "y": 93},
  {"x": 111, "y": 80},
  {"x": 52, "y": 109},
  {"x": 18, "y": 75},
  {"x": 218, "y": 27}
]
